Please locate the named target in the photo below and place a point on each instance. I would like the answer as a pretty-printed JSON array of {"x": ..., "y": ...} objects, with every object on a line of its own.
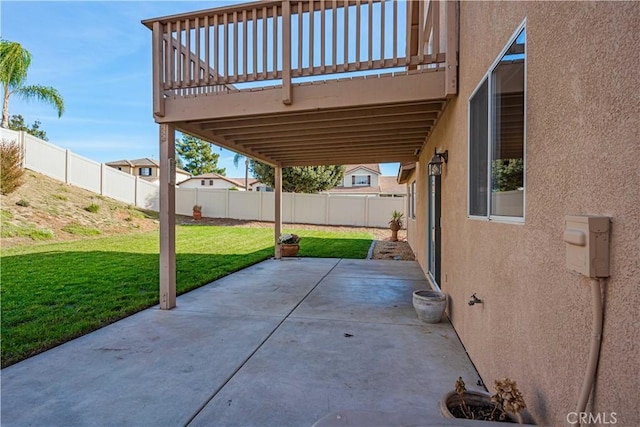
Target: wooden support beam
[
  {"x": 278, "y": 210},
  {"x": 167, "y": 218},
  {"x": 158, "y": 57},
  {"x": 399, "y": 89},
  {"x": 374, "y": 113},
  {"x": 451, "y": 61},
  {"x": 339, "y": 125},
  {"x": 286, "y": 52}
]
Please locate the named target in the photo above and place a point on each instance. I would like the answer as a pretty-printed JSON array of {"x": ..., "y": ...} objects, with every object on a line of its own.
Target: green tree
[
  {"x": 306, "y": 179},
  {"x": 198, "y": 156},
  {"x": 507, "y": 174},
  {"x": 16, "y": 122},
  {"x": 14, "y": 64},
  {"x": 236, "y": 160}
]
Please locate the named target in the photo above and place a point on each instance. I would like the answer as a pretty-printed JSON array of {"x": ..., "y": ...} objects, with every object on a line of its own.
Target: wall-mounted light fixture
[{"x": 435, "y": 164}]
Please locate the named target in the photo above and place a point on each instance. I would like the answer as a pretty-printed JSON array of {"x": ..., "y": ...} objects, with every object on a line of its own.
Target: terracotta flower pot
[
  {"x": 289, "y": 249},
  {"x": 473, "y": 399}
]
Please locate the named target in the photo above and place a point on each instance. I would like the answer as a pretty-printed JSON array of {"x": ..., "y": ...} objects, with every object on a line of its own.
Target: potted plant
[
  {"x": 503, "y": 406},
  {"x": 395, "y": 224},
  {"x": 197, "y": 212},
  {"x": 289, "y": 244}
]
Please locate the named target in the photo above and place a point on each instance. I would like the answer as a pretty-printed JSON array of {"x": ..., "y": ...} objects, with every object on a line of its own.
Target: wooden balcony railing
[{"x": 208, "y": 51}]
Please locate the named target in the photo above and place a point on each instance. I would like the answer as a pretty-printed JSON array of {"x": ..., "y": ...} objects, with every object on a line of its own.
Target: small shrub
[
  {"x": 63, "y": 188},
  {"x": 93, "y": 208},
  {"x": 133, "y": 213},
  {"x": 60, "y": 197},
  {"x": 40, "y": 234},
  {"x": 26, "y": 230},
  {"x": 10, "y": 171},
  {"x": 80, "y": 230},
  {"x": 23, "y": 202}
]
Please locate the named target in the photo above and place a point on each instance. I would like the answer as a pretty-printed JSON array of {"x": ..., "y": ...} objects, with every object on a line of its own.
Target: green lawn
[{"x": 54, "y": 292}]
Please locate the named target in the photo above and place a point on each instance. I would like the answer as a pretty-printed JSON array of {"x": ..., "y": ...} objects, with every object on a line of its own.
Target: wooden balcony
[{"x": 308, "y": 82}]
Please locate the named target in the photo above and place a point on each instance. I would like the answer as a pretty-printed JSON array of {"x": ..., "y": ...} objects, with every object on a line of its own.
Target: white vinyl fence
[
  {"x": 323, "y": 209},
  {"x": 68, "y": 167}
]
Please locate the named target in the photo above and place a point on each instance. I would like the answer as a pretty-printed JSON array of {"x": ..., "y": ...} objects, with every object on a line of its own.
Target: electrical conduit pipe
[{"x": 594, "y": 352}]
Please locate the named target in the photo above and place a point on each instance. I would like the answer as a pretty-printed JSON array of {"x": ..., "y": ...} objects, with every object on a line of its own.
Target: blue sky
[{"x": 98, "y": 55}]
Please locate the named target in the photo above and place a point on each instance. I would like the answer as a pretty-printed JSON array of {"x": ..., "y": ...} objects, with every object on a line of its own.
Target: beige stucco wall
[{"x": 582, "y": 157}]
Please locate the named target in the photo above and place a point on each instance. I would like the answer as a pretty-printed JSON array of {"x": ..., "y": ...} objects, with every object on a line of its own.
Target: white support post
[
  {"x": 167, "y": 219},
  {"x": 278, "y": 208}
]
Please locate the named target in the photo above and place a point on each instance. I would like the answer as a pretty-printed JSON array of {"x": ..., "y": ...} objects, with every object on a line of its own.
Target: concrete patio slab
[
  {"x": 309, "y": 368},
  {"x": 282, "y": 343},
  {"x": 371, "y": 300},
  {"x": 153, "y": 368}
]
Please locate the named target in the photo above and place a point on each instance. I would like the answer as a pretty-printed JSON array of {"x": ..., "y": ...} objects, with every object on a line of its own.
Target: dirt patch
[
  {"x": 398, "y": 251},
  {"x": 47, "y": 210}
]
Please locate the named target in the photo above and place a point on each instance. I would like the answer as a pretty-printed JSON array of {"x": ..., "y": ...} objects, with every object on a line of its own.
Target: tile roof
[
  {"x": 389, "y": 184},
  {"x": 144, "y": 162},
  {"x": 373, "y": 167},
  {"x": 234, "y": 181}
]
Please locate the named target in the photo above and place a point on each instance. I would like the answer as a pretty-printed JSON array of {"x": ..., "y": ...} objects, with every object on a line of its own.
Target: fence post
[
  {"x": 226, "y": 204},
  {"x": 366, "y": 211},
  {"x": 102, "y": 173},
  {"x": 326, "y": 208},
  {"x": 22, "y": 140},
  {"x": 135, "y": 191},
  {"x": 66, "y": 166}
]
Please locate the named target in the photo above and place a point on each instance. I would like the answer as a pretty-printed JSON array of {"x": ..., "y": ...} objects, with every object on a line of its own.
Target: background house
[
  {"x": 145, "y": 168},
  {"x": 213, "y": 180},
  {"x": 367, "y": 179}
]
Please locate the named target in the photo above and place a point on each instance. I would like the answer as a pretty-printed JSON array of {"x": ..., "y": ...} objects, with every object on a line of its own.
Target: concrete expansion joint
[{"x": 248, "y": 358}]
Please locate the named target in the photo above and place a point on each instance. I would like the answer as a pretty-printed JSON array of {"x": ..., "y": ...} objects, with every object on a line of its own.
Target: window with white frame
[
  {"x": 210, "y": 182},
  {"x": 361, "y": 180},
  {"x": 144, "y": 172},
  {"x": 202, "y": 182},
  {"x": 497, "y": 136}
]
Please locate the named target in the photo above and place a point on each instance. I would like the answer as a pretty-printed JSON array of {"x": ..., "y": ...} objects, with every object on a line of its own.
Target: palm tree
[
  {"x": 236, "y": 160},
  {"x": 14, "y": 63}
]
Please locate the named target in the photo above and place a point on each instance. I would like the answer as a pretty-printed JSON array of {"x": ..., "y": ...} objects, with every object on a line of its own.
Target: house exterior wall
[
  {"x": 125, "y": 169},
  {"x": 154, "y": 170},
  {"x": 582, "y": 157},
  {"x": 181, "y": 176},
  {"x": 348, "y": 180},
  {"x": 218, "y": 184}
]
